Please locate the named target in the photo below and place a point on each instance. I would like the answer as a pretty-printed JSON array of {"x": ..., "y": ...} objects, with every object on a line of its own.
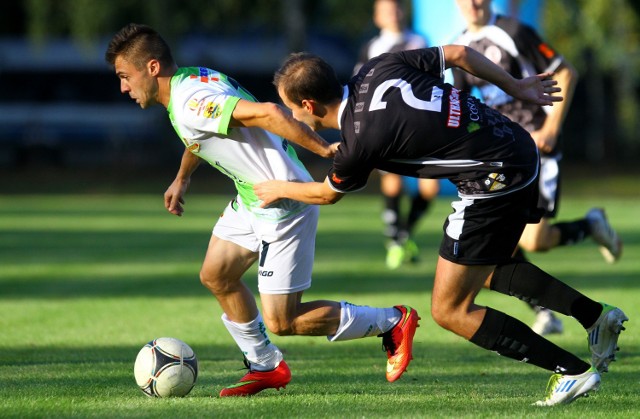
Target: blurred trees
[{"x": 600, "y": 37}]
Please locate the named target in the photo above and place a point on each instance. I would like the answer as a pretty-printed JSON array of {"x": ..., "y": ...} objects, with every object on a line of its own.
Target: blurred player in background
[
  {"x": 221, "y": 123},
  {"x": 398, "y": 115},
  {"x": 519, "y": 50},
  {"x": 388, "y": 16}
]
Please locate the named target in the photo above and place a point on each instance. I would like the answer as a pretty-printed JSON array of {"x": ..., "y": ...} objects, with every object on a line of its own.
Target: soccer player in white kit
[{"x": 221, "y": 123}]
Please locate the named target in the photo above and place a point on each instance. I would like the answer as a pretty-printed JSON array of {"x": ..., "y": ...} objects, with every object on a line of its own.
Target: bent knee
[
  {"x": 214, "y": 283},
  {"x": 450, "y": 316},
  {"x": 441, "y": 316},
  {"x": 280, "y": 327}
]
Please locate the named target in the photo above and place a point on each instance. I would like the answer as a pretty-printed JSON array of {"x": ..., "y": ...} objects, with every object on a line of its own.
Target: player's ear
[
  {"x": 153, "y": 67},
  {"x": 308, "y": 105}
]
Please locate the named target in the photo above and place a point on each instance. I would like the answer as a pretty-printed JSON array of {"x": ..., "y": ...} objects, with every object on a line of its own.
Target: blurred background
[{"x": 64, "y": 126}]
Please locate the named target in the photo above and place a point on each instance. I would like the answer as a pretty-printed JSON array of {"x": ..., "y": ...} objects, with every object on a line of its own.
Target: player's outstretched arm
[
  {"x": 539, "y": 89},
  {"x": 174, "y": 195},
  {"x": 275, "y": 119},
  {"x": 315, "y": 193}
]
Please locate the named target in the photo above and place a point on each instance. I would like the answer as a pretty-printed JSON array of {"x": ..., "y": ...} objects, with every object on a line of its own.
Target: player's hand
[
  {"x": 539, "y": 89},
  {"x": 268, "y": 192},
  {"x": 333, "y": 149},
  {"x": 545, "y": 141},
  {"x": 173, "y": 197}
]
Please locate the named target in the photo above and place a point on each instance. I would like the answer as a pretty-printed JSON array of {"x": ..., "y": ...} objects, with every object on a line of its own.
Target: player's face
[
  {"x": 475, "y": 12},
  {"x": 300, "y": 112},
  {"x": 387, "y": 15},
  {"x": 139, "y": 84}
]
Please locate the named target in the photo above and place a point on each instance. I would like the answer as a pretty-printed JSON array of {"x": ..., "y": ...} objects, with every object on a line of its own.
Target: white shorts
[{"x": 286, "y": 249}]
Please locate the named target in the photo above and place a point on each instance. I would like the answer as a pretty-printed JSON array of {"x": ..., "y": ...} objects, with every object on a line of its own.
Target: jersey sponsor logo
[
  {"x": 546, "y": 51},
  {"x": 454, "y": 109},
  {"x": 194, "y": 104},
  {"x": 472, "y": 127},
  {"x": 336, "y": 179},
  {"x": 474, "y": 113},
  {"x": 265, "y": 273},
  {"x": 364, "y": 88},
  {"x": 359, "y": 107},
  {"x": 204, "y": 77}
]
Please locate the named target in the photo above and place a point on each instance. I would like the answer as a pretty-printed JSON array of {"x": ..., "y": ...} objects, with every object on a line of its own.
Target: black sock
[
  {"x": 573, "y": 232},
  {"x": 511, "y": 338},
  {"x": 419, "y": 206},
  {"x": 520, "y": 256},
  {"x": 531, "y": 284}
]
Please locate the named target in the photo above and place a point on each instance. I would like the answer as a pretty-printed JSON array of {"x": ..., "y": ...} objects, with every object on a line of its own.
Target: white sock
[
  {"x": 253, "y": 341},
  {"x": 362, "y": 321}
]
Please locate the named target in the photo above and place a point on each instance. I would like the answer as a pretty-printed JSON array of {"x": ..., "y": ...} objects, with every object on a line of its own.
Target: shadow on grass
[{"x": 319, "y": 370}]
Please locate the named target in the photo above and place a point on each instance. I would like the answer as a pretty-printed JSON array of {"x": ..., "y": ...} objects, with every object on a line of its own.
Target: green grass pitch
[{"x": 86, "y": 280}]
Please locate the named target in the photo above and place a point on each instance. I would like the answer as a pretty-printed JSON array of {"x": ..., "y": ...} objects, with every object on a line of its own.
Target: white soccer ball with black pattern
[{"x": 166, "y": 367}]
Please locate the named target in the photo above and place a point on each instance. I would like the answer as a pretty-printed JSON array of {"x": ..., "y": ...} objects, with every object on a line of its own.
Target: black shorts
[{"x": 487, "y": 231}]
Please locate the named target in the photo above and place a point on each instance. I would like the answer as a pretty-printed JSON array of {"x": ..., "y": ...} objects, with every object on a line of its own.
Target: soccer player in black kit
[
  {"x": 519, "y": 50},
  {"x": 398, "y": 115}
]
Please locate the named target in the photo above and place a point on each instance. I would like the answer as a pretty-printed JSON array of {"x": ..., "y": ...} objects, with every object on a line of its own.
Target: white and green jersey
[{"x": 201, "y": 105}]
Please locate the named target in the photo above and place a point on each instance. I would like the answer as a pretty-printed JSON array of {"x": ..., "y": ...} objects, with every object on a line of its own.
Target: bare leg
[
  {"x": 454, "y": 291},
  {"x": 221, "y": 273}
]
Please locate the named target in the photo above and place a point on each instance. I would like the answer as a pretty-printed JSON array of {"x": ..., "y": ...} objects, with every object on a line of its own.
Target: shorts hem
[
  {"x": 285, "y": 291},
  {"x": 474, "y": 262}
]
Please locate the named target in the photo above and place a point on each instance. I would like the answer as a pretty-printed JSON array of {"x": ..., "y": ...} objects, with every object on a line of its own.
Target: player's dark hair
[
  {"x": 138, "y": 44},
  {"x": 307, "y": 76}
]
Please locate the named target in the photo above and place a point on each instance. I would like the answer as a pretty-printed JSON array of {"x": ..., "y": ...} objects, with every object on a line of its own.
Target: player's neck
[
  {"x": 164, "y": 87},
  {"x": 331, "y": 120}
]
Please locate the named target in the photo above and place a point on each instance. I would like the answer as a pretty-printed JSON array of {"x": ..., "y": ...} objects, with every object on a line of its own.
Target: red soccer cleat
[
  {"x": 398, "y": 342},
  {"x": 256, "y": 381}
]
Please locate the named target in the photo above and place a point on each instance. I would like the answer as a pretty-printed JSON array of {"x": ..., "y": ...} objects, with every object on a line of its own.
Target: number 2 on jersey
[{"x": 433, "y": 105}]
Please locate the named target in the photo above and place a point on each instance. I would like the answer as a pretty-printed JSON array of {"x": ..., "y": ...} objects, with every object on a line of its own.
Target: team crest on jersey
[
  {"x": 495, "y": 181},
  {"x": 212, "y": 110}
]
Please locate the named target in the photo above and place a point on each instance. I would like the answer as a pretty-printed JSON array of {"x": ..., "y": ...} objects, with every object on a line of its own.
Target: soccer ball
[{"x": 166, "y": 367}]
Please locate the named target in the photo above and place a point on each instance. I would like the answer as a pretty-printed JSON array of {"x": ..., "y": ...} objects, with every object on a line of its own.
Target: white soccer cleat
[
  {"x": 547, "y": 323},
  {"x": 603, "y": 234},
  {"x": 563, "y": 389},
  {"x": 603, "y": 337}
]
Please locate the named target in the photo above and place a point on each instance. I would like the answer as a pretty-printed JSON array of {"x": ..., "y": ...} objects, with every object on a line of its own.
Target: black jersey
[
  {"x": 519, "y": 50},
  {"x": 399, "y": 116}
]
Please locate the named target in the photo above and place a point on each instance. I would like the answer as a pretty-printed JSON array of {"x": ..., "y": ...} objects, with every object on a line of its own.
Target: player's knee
[
  {"x": 279, "y": 326},
  {"x": 213, "y": 283},
  {"x": 441, "y": 314},
  {"x": 534, "y": 244}
]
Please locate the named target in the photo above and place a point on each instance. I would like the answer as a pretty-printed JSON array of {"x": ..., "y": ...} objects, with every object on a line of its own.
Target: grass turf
[{"x": 86, "y": 280}]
